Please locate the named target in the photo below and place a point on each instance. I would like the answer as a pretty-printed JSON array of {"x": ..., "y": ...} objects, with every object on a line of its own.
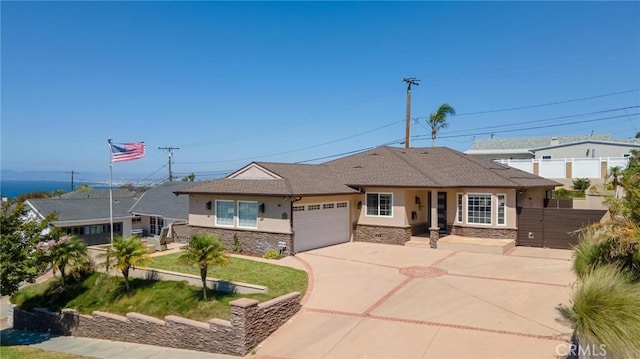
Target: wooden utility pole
[
  {"x": 410, "y": 81},
  {"x": 72, "y": 173},
  {"x": 170, "y": 149}
]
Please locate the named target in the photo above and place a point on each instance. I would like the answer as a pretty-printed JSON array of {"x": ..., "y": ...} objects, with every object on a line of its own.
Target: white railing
[{"x": 559, "y": 168}]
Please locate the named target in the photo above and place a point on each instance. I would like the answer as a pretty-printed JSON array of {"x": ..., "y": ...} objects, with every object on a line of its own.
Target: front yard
[{"x": 161, "y": 298}]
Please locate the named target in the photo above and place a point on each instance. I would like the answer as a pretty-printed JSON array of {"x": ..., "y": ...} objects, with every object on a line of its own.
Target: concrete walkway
[
  {"x": 97, "y": 348},
  {"x": 383, "y": 301}
]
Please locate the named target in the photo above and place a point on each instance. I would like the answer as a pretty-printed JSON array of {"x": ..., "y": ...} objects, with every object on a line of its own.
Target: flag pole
[{"x": 111, "y": 189}]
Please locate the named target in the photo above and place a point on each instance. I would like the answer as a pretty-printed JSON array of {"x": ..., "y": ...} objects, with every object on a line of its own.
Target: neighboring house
[
  {"x": 159, "y": 207},
  {"x": 588, "y": 156},
  {"x": 383, "y": 195},
  {"x": 85, "y": 213}
]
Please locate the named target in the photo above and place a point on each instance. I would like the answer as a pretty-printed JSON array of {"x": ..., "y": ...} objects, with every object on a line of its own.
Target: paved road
[{"x": 381, "y": 301}]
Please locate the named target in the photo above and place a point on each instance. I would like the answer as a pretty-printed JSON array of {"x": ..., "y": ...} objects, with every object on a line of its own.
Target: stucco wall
[
  {"x": 269, "y": 221},
  {"x": 399, "y": 217},
  {"x": 249, "y": 324}
]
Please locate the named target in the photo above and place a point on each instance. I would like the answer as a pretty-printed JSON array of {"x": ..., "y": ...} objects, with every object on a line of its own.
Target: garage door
[{"x": 320, "y": 225}]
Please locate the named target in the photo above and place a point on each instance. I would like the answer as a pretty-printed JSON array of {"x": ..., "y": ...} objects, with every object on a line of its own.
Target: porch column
[{"x": 434, "y": 230}]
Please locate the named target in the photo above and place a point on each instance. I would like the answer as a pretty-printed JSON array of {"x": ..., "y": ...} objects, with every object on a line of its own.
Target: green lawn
[
  {"x": 279, "y": 279},
  {"x": 161, "y": 298},
  {"x": 23, "y": 352}
]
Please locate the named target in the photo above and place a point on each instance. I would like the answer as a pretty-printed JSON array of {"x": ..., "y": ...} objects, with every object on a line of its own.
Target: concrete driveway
[{"x": 384, "y": 301}]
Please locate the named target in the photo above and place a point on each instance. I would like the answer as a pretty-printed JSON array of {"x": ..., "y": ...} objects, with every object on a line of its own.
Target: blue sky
[{"x": 233, "y": 82}]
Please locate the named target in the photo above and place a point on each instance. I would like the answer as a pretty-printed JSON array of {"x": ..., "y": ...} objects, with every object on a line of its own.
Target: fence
[{"x": 567, "y": 167}]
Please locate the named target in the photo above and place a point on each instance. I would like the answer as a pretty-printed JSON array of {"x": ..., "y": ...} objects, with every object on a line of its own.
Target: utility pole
[
  {"x": 72, "y": 173},
  {"x": 410, "y": 81},
  {"x": 170, "y": 149}
]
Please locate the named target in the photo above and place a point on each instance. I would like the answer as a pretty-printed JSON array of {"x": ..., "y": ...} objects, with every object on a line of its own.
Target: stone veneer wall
[
  {"x": 495, "y": 233},
  {"x": 419, "y": 228},
  {"x": 255, "y": 243},
  {"x": 379, "y": 234},
  {"x": 249, "y": 325}
]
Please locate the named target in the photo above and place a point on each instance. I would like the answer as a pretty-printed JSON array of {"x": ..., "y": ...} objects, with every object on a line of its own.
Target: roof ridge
[{"x": 414, "y": 166}]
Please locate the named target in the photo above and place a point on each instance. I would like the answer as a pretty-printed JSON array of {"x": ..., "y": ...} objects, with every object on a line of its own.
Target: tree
[
  {"x": 438, "y": 121},
  {"x": 614, "y": 174},
  {"x": 19, "y": 236},
  {"x": 581, "y": 184},
  {"x": 204, "y": 251},
  {"x": 128, "y": 252},
  {"x": 68, "y": 253},
  {"x": 83, "y": 187},
  {"x": 189, "y": 178}
]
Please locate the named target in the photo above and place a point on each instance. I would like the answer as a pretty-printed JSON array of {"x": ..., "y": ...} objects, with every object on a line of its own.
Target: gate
[{"x": 553, "y": 227}]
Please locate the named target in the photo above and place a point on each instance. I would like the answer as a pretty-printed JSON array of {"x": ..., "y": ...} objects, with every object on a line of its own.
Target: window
[
  {"x": 313, "y": 207},
  {"x": 546, "y": 157},
  {"x": 459, "y": 212},
  {"x": 136, "y": 218},
  {"x": 479, "y": 208},
  {"x": 155, "y": 224},
  {"x": 224, "y": 213},
  {"x": 248, "y": 214},
  {"x": 379, "y": 204},
  {"x": 298, "y": 208},
  {"x": 341, "y": 205},
  {"x": 328, "y": 206},
  {"x": 501, "y": 212}
]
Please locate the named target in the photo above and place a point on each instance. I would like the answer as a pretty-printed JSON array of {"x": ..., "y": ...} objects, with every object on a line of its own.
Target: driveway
[{"x": 383, "y": 301}]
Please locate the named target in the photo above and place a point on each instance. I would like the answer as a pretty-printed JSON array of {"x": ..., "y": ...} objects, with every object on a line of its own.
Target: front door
[{"x": 442, "y": 211}]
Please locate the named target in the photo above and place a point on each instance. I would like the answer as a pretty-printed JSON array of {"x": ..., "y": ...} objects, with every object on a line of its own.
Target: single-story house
[
  {"x": 86, "y": 213},
  {"x": 383, "y": 195}
]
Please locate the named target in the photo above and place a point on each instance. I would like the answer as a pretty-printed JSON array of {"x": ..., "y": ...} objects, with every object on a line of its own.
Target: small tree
[
  {"x": 438, "y": 121},
  {"x": 126, "y": 253},
  {"x": 204, "y": 251},
  {"x": 581, "y": 184},
  {"x": 189, "y": 178},
  {"x": 614, "y": 173},
  {"x": 68, "y": 253}
]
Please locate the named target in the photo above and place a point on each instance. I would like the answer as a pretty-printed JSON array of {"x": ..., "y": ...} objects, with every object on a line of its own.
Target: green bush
[
  {"x": 581, "y": 184},
  {"x": 271, "y": 254},
  {"x": 606, "y": 310},
  {"x": 237, "y": 246}
]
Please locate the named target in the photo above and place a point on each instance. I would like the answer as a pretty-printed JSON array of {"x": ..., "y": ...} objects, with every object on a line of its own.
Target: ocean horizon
[{"x": 14, "y": 188}]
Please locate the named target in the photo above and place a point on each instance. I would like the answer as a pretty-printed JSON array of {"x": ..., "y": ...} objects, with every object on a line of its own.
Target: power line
[
  {"x": 537, "y": 127},
  {"x": 544, "y": 120},
  {"x": 543, "y": 104},
  {"x": 170, "y": 150}
]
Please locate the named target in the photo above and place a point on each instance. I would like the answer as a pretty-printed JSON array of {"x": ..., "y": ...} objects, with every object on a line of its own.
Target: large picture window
[
  {"x": 479, "y": 208},
  {"x": 248, "y": 214},
  {"x": 224, "y": 213},
  {"x": 379, "y": 204}
]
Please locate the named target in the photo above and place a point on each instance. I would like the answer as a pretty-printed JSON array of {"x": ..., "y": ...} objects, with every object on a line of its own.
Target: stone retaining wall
[
  {"x": 495, "y": 233},
  {"x": 250, "y": 324},
  {"x": 379, "y": 234},
  {"x": 253, "y": 243}
]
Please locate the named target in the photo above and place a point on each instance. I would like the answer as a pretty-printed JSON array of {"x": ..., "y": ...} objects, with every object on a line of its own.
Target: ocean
[{"x": 14, "y": 188}]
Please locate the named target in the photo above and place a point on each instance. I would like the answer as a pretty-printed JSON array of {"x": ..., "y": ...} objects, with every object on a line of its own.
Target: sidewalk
[{"x": 98, "y": 348}]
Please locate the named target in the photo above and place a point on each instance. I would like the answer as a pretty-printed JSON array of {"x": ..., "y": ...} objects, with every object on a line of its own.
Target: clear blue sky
[{"x": 232, "y": 82}]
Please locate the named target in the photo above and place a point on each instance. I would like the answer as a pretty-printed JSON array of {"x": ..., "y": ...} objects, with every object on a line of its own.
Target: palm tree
[
  {"x": 204, "y": 250},
  {"x": 438, "y": 121},
  {"x": 128, "y": 252},
  {"x": 614, "y": 172},
  {"x": 68, "y": 253}
]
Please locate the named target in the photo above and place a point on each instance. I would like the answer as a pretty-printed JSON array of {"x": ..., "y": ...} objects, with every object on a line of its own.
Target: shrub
[
  {"x": 271, "y": 254},
  {"x": 581, "y": 184},
  {"x": 606, "y": 310},
  {"x": 237, "y": 246}
]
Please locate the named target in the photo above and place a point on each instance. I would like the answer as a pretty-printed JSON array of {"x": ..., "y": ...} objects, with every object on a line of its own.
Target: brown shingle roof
[
  {"x": 437, "y": 167},
  {"x": 297, "y": 179},
  {"x": 429, "y": 167}
]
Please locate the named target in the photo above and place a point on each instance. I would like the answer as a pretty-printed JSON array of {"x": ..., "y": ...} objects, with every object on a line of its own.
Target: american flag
[{"x": 127, "y": 151}]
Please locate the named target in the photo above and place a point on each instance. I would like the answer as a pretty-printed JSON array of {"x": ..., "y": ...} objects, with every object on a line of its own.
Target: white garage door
[{"x": 320, "y": 225}]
